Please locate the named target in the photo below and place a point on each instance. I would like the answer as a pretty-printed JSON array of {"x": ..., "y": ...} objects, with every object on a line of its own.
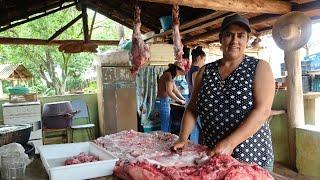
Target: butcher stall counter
[
  {"x": 36, "y": 171},
  {"x": 147, "y": 156}
]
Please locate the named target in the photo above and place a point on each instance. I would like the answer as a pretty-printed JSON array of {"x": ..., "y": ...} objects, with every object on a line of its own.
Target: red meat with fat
[
  {"x": 81, "y": 158},
  {"x": 140, "y": 50},
  {"x": 148, "y": 156},
  {"x": 177, "y": 44}
]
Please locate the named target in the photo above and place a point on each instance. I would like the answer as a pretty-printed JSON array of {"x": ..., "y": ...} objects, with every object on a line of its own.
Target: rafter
[
  {"x": 92, "y": 23},
  {"x": 253, "y": 21},
  {"x": 307, "y": 6},
  {"x": 192, "y": 23},
  {"x": 56, "y": 34},
  {"x": 208, "y": 24},
  {"x": 28, "y": 41},
  {"x": 120, "y": 16},
  {"x": 36, "y": 17},
  {"x": 110, "y": 15},
  {"x": 35, "y": 8},
  {"x": 250, "y": 6}
]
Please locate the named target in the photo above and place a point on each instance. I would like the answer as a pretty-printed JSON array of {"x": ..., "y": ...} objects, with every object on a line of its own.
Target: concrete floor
[{"x": 36, "y": 171}]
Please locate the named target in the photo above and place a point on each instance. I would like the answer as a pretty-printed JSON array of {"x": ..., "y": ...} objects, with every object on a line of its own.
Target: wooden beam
[
  {"x": 92, "y": 23},
  {"x": 250, "y": 6},
  {"x": 199, "y": 20},
  {"x": 122, "y": 16},
  {"x": 307, "y": 6},
  {"x": 26, "y": 41},
  {"x": 277, "y": 112},
  {"x": 85, "y": 23},
  {"x": 201, "y": 36},
  {"x": 193, "y": 22},
  {"x": 253, "y": 21},
  {"x": 110, "y": 15},
  {"x": 208, "y": 24},
  {"x": 35, "y": 17},
  {"x": 56, "y": 34},
  {"x": 263, "y": 18},
  {"x": 14, "y": 14}
]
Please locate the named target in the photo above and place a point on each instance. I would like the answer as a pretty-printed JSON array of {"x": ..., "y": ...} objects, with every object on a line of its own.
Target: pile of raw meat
[
  {"x": 148, "y": 156},
  {"x": 81, "y": 158}
]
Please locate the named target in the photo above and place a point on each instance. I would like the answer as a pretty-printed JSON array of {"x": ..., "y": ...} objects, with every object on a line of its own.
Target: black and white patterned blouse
[{"x": 224, "y": 104}]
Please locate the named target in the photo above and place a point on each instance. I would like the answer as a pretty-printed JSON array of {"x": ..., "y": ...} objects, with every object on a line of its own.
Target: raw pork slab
[{"x": 148, "y": 156}]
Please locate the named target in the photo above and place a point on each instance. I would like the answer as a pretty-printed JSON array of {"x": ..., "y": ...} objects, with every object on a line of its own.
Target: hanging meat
[
  {"x": 178, "y": 47},
  {"x": 139, "y": 51}
]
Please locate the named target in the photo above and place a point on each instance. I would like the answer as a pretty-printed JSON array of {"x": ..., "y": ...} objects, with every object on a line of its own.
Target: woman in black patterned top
[{"x": 233, "y": 97}]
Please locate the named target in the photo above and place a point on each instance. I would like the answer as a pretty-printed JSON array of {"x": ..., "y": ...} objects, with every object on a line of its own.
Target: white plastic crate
[{"x": 54, "y": 156}]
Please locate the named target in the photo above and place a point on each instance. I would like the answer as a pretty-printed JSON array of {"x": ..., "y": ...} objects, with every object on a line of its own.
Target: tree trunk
[{"x": 50, "y": 66}]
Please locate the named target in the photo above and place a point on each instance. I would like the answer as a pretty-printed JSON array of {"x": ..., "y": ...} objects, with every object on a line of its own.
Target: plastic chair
[{"x": 83, "y": 113}]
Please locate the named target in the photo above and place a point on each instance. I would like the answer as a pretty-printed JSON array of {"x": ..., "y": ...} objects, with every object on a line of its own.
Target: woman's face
[
  {"x": 234, "y": 41},
  {"x": 203, "y": 60}
]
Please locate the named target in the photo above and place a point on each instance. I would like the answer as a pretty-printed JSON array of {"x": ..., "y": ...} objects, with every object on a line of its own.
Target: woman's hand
[
  {"x": 182, "y": 101},
  {"x": 179, "y": 144},
  {"x": 224, "y": 147}
]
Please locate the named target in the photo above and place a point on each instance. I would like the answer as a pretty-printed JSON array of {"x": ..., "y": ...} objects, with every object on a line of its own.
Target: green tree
[{"x": 53, "y": 69}]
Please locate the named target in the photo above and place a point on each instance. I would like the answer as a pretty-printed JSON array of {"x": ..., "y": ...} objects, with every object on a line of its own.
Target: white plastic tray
[{"x": 53, "y": 157}]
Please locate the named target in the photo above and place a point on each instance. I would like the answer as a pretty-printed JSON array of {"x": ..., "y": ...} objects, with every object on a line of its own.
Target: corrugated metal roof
[{"x": 14, "y": 71}]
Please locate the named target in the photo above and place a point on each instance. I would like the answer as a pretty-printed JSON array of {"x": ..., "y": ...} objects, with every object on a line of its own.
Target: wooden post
[
  {"x": 291, "y": 32},
  {"x": 85, "y": 23},
  {"x": 295, "y": 108}
]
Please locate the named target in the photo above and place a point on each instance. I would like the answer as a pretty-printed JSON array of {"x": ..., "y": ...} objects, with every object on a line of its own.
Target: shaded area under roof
[{"x": 198, "y": 25}]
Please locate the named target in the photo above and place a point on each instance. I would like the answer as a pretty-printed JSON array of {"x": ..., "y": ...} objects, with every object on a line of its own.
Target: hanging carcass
[
  {"x": 177, "y": 44},
  {"x": 178, "y": 47},
  {"x": 140, "y": 50}
]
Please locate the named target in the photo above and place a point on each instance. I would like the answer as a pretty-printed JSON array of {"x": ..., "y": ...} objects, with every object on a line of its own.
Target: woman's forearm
[
  {"x": 177, "y": 93},
  {"x": 174, "y": 97}
]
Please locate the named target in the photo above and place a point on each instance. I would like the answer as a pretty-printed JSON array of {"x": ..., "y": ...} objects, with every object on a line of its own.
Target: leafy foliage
[{"x": 55, "y": 72}]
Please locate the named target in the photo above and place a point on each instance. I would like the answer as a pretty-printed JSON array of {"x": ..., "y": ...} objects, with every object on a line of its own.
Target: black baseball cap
[{"x": 235, "y": 19}]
